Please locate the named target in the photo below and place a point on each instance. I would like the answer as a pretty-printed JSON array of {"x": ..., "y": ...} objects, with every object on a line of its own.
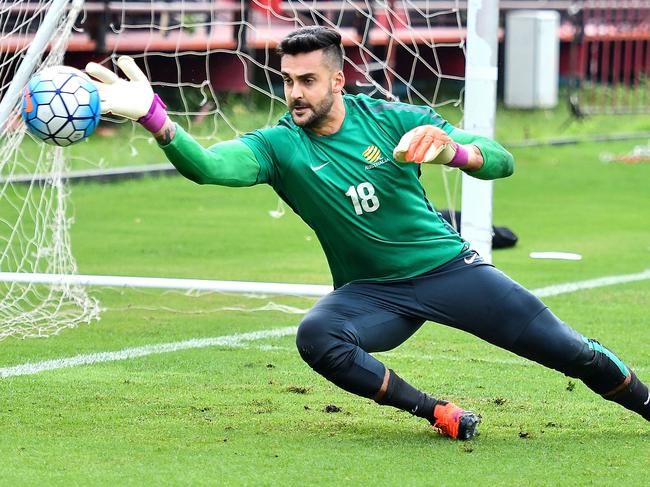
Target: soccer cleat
[{"x": 455, "y": 422}]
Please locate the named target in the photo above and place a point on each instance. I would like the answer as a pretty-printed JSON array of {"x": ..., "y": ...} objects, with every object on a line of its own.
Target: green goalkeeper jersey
[{"x": 370, "y": 213}]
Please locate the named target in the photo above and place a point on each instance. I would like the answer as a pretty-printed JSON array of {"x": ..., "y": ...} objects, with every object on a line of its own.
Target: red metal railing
[{"x": 610, "y": 56}]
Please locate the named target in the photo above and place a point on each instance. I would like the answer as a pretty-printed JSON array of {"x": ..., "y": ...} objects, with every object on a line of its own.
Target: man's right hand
[{"x": 133, "y": 98}]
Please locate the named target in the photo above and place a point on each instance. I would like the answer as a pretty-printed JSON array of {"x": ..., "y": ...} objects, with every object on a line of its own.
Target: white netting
[
  {"x": 34, "y": 225},
  {"x": 211, "y": 62},
  {"x": 198, "y": 54}
]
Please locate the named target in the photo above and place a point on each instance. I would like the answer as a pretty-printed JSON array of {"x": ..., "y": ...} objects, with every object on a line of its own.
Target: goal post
[
  {"x": 480, "y": 111},
  {"x": 198, "y": 54}
]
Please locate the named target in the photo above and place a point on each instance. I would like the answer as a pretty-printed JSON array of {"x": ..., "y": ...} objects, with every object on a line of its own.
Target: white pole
[
  {"x": 237, "y": 287},
  {"x": 32, "y": 58},
  {"x": 480, "y": 111}
]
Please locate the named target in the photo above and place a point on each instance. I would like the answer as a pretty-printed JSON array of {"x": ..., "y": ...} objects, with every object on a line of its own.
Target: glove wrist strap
[
  {"x": 461, "y": 158},
  {"x": 155, "y": 119}
]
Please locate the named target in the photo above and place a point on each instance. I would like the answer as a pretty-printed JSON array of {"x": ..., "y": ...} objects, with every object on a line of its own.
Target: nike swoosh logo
[
  {"x": 647, "y": 401},
  {"x": 470, "y": 259},
  {"x": 318, "y": 168}
]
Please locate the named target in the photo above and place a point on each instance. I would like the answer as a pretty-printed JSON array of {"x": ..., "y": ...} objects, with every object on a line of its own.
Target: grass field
[{"x": 248, "y": 411}]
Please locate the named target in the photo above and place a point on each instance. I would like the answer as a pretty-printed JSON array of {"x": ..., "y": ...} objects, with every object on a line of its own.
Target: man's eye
[{"x": 309, "y": 81}]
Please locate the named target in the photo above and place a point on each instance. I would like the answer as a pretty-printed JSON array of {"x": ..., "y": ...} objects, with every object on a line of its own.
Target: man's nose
[{"x": 296, "y": 91}]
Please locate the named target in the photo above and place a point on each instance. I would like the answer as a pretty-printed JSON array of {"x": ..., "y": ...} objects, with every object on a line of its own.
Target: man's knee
[
  {"x": 309, "y": 340},
  {"x": 330, "y": 345},
  {"x": 324, "y": 343}
]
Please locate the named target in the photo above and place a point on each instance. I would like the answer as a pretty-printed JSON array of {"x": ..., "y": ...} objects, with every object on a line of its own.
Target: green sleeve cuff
[
  {"x": 229, "y": 163},
  {"x": 497, "y": 161}
]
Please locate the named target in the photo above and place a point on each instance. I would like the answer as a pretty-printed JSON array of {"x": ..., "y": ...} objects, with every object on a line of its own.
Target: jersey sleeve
[
  {"x": 260, "y": 143},
  {"x": 497, "y": 161},
  {"x": 229, "y": 163}
]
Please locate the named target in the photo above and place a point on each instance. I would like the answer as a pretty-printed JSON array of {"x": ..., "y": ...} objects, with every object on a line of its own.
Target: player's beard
[{"x": 318, "y": 115}]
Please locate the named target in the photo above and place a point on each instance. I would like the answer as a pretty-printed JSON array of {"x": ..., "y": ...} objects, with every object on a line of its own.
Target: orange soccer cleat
[{"x": 455, "y": 422}]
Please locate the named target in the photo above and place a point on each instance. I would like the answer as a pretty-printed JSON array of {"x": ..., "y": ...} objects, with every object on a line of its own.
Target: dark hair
[{"x": 314, "y": 38}]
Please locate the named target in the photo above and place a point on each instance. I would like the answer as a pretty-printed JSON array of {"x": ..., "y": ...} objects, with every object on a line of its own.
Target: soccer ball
[{"x": 61, "y": 105}]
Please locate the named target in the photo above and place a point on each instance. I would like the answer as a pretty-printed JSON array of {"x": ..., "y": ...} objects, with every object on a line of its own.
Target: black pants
[{"x": 339, "y": 332}]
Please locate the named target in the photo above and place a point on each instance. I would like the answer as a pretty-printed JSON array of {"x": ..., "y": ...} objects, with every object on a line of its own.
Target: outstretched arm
[{"x": 229, "y": 163}]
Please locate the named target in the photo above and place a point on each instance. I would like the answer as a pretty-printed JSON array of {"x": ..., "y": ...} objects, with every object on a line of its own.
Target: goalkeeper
[{"x": 349, "y": 166}]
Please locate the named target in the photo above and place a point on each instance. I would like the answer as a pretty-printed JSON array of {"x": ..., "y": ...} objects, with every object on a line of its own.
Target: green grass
[{"x": 255, "y": 415}]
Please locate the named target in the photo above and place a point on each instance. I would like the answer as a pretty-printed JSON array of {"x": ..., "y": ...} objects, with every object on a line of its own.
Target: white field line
[
  {"x": 243, "y": 339},
  {"x": 571, "y": 287},
  {"x": 129, "y": 353}
]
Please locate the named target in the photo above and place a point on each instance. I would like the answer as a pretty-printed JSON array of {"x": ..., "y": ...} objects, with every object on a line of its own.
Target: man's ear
[{"x": 338, "y": 82}]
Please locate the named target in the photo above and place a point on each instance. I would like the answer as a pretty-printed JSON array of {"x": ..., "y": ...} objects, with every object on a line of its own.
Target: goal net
[
  {"x": 215, "y": 66},
  {"x": 200, "y": 53},
  {"x": 34, "y": 220}
]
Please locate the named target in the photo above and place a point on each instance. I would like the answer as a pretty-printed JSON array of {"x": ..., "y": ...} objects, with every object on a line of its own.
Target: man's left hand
[{"x": 425, "y": 144}]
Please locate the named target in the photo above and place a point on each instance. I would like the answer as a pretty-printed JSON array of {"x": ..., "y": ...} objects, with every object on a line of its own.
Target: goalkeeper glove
[
  {"x": 133, "y": 98},
  {"x": 430, "y": 144}
]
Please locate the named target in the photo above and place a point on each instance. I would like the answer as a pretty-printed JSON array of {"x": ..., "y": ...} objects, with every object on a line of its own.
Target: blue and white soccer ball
[{"x": 61, "y": 105}]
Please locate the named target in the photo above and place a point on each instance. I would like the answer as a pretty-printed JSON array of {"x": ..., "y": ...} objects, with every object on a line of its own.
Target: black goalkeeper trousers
[{"x": 338, "y": 334}]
